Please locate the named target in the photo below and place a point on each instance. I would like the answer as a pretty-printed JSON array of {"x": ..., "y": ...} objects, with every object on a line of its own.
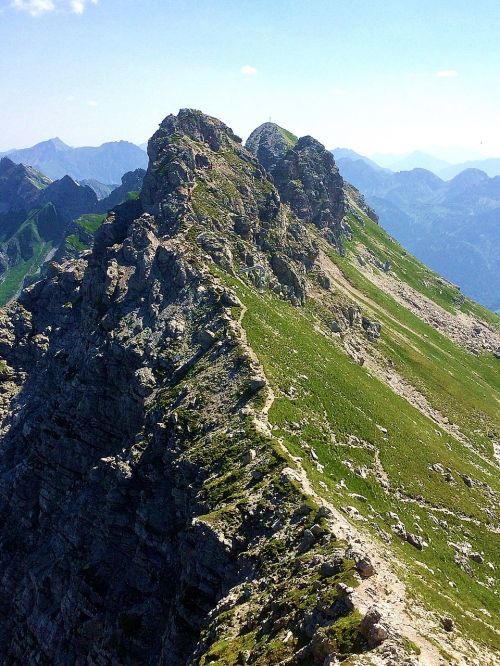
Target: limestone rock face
[
  {"x": 309, "y": 181},
  {"x": 306, "y": 177},
  {"x": 124, "y": 421}
]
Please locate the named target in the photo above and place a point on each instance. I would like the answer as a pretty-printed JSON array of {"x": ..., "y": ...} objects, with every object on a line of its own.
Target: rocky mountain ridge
[{"x": 153, "y": 509}]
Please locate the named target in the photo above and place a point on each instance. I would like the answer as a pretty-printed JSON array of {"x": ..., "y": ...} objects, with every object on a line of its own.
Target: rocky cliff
[
  {"x": 306, "y": 177},
  {"x": 151, "y": 510}
]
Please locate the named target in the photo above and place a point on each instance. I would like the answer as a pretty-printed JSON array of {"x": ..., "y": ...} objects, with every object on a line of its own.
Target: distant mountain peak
[
  {"x": 470, "y": 177},
  {"x": 58, "y": 144}
]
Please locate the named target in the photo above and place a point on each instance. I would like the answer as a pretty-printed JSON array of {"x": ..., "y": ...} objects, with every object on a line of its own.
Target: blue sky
[{"x": 376, "y": 76}]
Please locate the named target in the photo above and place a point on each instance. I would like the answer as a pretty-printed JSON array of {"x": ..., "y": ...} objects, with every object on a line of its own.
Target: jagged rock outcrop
[
  {"x": 270, "y": 143},
  {"x": 231, "y": 194},
  {"x": 306, "y": 177}
]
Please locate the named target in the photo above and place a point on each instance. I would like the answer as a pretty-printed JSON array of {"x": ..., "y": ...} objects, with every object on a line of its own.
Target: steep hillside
[
  {"x": 106, "y": 163},
  {"x": 239, "y": 431},
  {"x": 452, "y": 226},
  {"x": 45, "y": 219},
  {"x": 19, "y": 186}
]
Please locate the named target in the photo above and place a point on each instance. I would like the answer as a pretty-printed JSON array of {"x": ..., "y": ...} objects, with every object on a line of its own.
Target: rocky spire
[
  {"x": 270, "y": 143},
  {"x": 306, "y": 176}
]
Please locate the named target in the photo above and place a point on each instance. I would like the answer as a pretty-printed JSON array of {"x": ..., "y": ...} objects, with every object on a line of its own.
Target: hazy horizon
[
  {"x": 449, "y": 154},
  {"x": 389, "y": 79}
]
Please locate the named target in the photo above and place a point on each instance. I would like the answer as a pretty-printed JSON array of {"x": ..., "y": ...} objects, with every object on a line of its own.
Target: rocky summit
[{"x": 246, "y": 427}]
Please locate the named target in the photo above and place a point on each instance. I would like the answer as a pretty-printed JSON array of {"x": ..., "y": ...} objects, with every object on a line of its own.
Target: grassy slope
[
  {"x": 13, "y": 278},
  {"x": 89, "y": 224},
  {"x": 323, "y": 398}
]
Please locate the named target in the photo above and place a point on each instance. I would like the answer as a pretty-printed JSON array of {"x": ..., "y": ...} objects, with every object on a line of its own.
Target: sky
[{"x": 377, "y": 76}]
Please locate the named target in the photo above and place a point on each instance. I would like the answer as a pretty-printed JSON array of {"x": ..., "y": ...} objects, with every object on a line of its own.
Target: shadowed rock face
[
  {"x": 70, "y": 198},
  {"x": 131, "y": 182},
  {"x": 20, "y": 186},
  {"x": 125, "y": 417}
]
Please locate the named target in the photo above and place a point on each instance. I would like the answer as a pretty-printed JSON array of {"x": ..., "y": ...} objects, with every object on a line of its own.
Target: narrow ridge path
[{"x": 384, "y": 589}]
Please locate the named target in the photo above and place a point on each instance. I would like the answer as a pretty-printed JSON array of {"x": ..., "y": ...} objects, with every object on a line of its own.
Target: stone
[
  {"x": 249, "y": 456},
  {"x": 206, "y": 338},
  {"x": 289, "y": 475},
  {"x": 344, "y": 590},
  {"x": 476, "y": 557},
  {"x": 365, "y": 567},
  {"x": 415, "y": 541},
  {"x": 378, "y": 634},
  {"x": 324, "y": 512},
  {"x": 257, "y": 382},
  {"x": 372, "y": 328},
  {"x": 317, "y": 531},
  {"x": 467, "y": 480},
  {"x": 372, "y": 628},
  {"x": 229, "y": 299},
  {"x": 328, "y": 569},
  {"x": 307, "y": 541},
  {"x": 447, "y": 623}
]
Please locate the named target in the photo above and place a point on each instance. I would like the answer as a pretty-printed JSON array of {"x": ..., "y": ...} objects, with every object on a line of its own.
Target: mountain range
[
  {"x": 421, "y": 160},
  {"x": 246, "y": 426},
  {"x": 453, "y": 226},
  {"x": 42, "y": 219},
  {"x": 105, "y": 164}
]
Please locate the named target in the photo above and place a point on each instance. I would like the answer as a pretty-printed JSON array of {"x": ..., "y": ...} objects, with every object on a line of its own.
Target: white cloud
[
  {"x": 338, "y": 92},
  {"x": 248, "y": 70},
  {"x": 34, "y": 7},
  {"x": 70, "y": 98},
  {"x": 92, "y": 102},
  {"x": 38, "y": 7},
  {"x": 447, "y": 74}
]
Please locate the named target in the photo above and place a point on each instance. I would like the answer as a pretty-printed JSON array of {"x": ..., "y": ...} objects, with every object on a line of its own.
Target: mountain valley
[{"x": 452, "y": 226}]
